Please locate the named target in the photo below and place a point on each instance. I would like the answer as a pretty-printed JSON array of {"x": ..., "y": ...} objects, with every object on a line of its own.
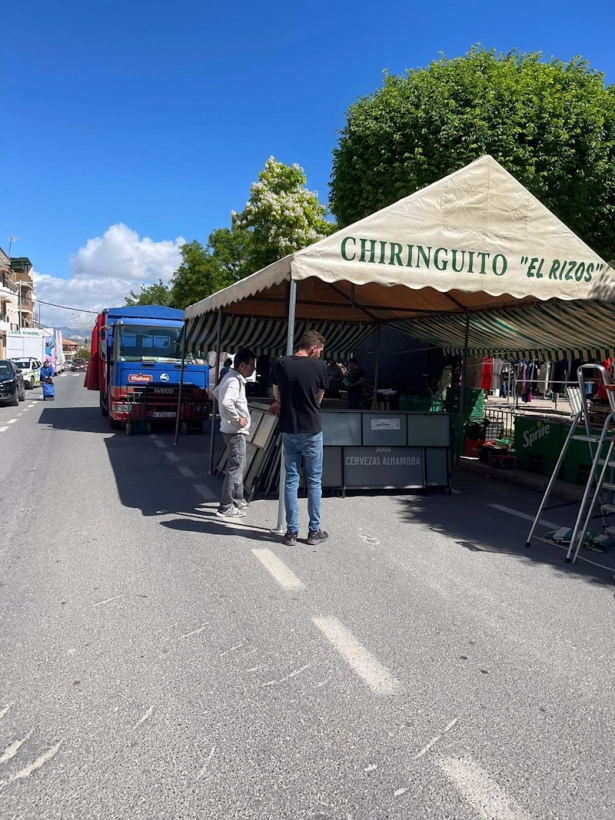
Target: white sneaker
[
  {"x": 243, "y": 505},
  {"x": 231, "y": 512}
]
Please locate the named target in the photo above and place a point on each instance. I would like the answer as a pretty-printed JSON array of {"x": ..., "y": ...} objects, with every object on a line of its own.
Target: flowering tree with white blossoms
[{"x": 281, "y": 215}]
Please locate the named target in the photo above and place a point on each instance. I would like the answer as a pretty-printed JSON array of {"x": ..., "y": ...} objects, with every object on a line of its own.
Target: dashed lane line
[
  {"x": 525, "y": 516},
  {"x": 2, "y": 429},
  {"x": 285, "y": 577},
  {"x": 480, "y": 790},
  {"x": 186, "y": 471},
  {"x": 173, "y": 457},
  {"x": 204, "y": 490},
  {"x": 11, "y": 421},
  {"x": 376, "y": 676}
]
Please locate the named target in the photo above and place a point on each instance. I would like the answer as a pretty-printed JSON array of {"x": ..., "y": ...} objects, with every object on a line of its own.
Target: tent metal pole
[
  {"x": 290, "y": 345},
  {"x": 181, "y": 382},
  {"x": 375, "y": 398},
  {"x": 214, "y": 403},
  {"x": 464, "y": 373}
]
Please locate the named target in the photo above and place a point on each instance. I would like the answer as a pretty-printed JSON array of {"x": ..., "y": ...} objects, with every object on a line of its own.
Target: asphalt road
[{"x": 158, "y": 663}]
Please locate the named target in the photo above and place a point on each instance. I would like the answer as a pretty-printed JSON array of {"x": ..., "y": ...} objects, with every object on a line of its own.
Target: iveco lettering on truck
[{"x": 136, "y": 365}]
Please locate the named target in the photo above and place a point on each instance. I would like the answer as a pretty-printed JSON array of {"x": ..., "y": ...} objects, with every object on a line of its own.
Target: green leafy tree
[
  {"x": 156, "y": 294},
  {"x": 206, "y": 270},
  {"x": 83, "y": 353},
  {"x": 550, "y": 123},
  {"x": 281, "y": 215}
]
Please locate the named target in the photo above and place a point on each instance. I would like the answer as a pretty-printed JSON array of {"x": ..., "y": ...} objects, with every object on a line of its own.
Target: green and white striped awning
[
  {"x": 584, "y": 330},
  {"x": 267, "y": 337}
]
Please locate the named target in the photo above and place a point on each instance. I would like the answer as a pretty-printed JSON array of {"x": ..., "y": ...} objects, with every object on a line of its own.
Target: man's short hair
[
  {"x": 312, "y": 339},
  {"x": 243, "y": 356},
  {"x": 353, "y": 361},
  {"x": 228, "y": 362}
]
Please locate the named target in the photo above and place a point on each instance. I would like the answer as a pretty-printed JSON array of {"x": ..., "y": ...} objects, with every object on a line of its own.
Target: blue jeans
[{"x": 309, "y": 446}]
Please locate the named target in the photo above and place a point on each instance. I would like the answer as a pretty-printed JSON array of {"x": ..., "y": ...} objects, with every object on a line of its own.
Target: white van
[{"x": 31, "y": 369}]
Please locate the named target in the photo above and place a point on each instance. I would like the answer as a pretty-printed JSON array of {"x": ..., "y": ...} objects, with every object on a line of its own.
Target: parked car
[
  {"x": 78, "y": 364},
  {"x": 31, "y": 370},
  {"x": 12, "y": 389}
]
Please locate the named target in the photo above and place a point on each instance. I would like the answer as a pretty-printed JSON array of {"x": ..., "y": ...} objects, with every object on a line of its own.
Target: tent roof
[{"x": 475, "y": 240}]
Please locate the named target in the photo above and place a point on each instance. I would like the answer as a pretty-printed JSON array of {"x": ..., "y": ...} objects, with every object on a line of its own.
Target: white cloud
[
  {"x": 120, "y": 254},
  {"x": 106, "y": 269}
]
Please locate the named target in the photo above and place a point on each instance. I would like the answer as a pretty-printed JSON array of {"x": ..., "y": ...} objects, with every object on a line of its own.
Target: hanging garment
[
  {"x": 543, "y": 378},
  {"x": 496, "y": 380},
  {"x": 487, "y": 374},
  {"x": 522, "y": 367},
  {"x": 608, "y": 366},
  {"x": 560, "y": 376}
]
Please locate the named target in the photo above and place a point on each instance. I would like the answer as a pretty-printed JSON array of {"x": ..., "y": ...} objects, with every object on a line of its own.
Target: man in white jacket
[{"x": 235, "y": 426}]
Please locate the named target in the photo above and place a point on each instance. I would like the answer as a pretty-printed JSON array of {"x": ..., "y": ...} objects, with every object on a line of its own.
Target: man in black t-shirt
[{"x": 299, "y": 383}]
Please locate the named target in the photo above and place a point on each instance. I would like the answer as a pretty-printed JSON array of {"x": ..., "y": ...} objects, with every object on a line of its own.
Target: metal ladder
[{"x": 597, "y": 489}]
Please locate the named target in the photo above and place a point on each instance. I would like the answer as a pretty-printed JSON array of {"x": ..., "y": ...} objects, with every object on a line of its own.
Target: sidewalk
[{"x": 521, "y": 478}]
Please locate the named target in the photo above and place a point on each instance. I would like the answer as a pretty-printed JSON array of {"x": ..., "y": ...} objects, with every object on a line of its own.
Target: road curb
[{"x": 521, "y": 478}]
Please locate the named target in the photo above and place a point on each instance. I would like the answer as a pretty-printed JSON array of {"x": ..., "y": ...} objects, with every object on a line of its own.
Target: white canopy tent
[
  {"x": 472, "y": 247},
  {"x": 472, "y": 242}
]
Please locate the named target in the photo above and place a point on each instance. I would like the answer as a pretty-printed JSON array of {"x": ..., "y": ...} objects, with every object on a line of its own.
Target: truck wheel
[
  {"x": 148, "y": 429},
  {"x": 113, "y": 424},
  {"x": 128, "y": 428},
  {"x": 103, "y": 409},
  {"x": 183, "y": 428}
]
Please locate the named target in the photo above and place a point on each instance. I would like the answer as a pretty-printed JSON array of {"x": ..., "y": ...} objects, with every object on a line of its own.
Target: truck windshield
[{"x": 146, "y": 343}]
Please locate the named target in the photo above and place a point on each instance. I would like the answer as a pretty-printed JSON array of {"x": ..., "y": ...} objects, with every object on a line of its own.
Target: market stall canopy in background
[{"x": 476, "y": 242}]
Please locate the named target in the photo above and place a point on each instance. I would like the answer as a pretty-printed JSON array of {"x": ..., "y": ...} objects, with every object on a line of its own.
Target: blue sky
[{"x": 131, "y": 126}]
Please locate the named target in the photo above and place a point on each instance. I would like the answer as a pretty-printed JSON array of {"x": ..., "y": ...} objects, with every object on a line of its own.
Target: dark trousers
[{"x": 232, "y": 488}]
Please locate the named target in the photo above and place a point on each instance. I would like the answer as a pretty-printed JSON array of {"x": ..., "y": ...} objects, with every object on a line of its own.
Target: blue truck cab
[{"x": 140, "y": 368}]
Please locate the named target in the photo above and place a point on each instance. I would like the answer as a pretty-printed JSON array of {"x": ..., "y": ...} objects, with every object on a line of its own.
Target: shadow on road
[
  {"x": 473, "y": 525},
  {"x": 77, "y": 419}
]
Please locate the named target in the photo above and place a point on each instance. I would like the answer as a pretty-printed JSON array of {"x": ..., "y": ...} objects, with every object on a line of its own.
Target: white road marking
[
  {"x": 398, "y": 792},
  {"x": 288, "y": 677},
  {"x": 2, "y": 429},
  {"x": 204, "y": 490},
  {"x": 186, "y": 471},
  {"x": 155, "y": 437},
  {"x": 204, "y": 769},
  {"x": 487, "y": 798},
  {"x": 371, "y": 768},
  {"x": 32, "y": 405},
  {"x": 144, "y": 718},
  {"x": 371, "y": 671},
  {"x": 11, "y": 421},
  {"x": 40, "y": 761},
  {"x": 172, "y": 457},
  {"x": 159, "y": 443},
  {"x": 108, "y": 600},
  {"x": 194, "y": 632},
  {"x": 525, "y": 516},
  {"x": 232, "y": 649},
  {"x": 285, "y": 577},
  {"x": 455, "y": 492},
  {"x": 5, "y": 710},
  {"x": 12, "y": 749},
  {"x": 436, "y": 739}
]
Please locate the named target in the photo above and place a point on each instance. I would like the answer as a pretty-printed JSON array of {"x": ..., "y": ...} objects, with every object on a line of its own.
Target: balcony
[{"x": 7, "y": 285}]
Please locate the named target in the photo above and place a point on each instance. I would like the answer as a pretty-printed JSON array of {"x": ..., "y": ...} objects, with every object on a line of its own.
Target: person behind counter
[{"x": 356, "y": 380}]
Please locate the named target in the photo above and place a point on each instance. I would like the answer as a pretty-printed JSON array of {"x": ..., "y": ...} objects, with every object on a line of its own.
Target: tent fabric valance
[
  {"x": 267, "y": 337},
  {"x": 550, "y": 331}
]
